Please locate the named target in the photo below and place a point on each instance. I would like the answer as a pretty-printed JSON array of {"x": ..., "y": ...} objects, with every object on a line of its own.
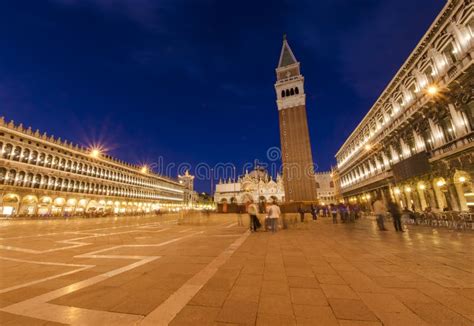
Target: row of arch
[
  {"x": 246, "y": 198},
  {"x": 290, "y": 92},
  {"x": 450, "y": 48},
  {"x": 20, "y": 178},
  {"x": 13, "y": 204},
  {"x": 35, "y": 157}
]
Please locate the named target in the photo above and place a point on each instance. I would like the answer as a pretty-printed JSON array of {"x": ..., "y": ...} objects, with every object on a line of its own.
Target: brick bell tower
[{"x": 298, "y": 169}]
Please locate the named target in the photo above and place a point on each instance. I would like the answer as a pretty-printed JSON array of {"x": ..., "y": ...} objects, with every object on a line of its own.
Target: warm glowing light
[
  {"x": 462, "y": 179},
  {"x": 422, "y": 187},
  {"x": 397, "y": 191},
  {"x": 367, "y": 147},
  {"x": 144, "y": 169},
  {"x": 432, "y": 90},
  {"x": 440, "y": 183},
  {"x": 408, "y": 189},
  {"x": 95, "y": 152}
]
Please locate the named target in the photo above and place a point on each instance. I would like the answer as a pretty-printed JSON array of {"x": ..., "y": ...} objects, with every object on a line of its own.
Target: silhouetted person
[{"x": 396, "y": 216}]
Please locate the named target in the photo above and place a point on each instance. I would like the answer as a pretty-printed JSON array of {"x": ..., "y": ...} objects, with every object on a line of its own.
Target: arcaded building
[
  {"x": 42, "y": 175},
  {"x": 415, "y": 145}
]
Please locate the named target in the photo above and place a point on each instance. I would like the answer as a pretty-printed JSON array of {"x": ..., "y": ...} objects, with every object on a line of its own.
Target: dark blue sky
[{"x": 192, "y": 81}]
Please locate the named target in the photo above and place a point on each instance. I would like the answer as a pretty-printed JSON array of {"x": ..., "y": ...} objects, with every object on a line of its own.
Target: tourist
[
  {"x": 254, "y": 222},
  {"x": 273, "y": 215},
  {"x": 314, "y": 212},
  {"x": 333, "y": 210},
  {"x": 301, "y": 212},
  {"x": 239, "y": 216},
  {"x": 396, "y": 216},
  {"x": 380, "y": 210}
]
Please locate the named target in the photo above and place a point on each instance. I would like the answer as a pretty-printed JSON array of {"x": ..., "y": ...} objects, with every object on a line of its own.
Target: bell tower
[{"x": 298, "y": 168}]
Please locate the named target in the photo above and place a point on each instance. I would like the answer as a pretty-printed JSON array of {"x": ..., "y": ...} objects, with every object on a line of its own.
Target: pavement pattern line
[
  {"x": 74, "y": 243},
  {"x": 168, "y": 310},
  {"x": 19, "y": 286},
  {"x": 144, "y": 225},
  {"x": 38, "y": 307}
]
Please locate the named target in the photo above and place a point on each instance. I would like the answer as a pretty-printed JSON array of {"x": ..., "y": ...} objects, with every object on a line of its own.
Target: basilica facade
[{"x": 259, "y": 186}]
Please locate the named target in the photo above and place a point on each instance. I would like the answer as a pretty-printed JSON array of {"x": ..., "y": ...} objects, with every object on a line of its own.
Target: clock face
[{"x": 288, "y": 74}]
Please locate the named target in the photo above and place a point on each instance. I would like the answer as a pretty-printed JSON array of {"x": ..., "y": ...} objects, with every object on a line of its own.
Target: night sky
[{"x": 192, "y": 81}]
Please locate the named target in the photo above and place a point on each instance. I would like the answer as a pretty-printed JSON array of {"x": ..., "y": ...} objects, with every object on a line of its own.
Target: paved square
[{"x": 156, "y": 271}]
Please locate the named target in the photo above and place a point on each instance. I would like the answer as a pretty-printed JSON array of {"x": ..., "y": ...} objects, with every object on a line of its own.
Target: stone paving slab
[{"x": 315, "y": 273}]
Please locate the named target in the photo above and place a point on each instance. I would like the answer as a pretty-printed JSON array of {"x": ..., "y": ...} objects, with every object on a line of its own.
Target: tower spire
[{"x": 286, "y": 55}]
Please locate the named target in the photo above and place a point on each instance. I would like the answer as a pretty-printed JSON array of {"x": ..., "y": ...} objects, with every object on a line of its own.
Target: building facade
[
  {"x": 258, "y": 186},
  {"x": 297, "y": 159},
  {"x": 189, "y": 196},
  {"x": 415, "y": 145},
  {"x": 43, "y": 175}
]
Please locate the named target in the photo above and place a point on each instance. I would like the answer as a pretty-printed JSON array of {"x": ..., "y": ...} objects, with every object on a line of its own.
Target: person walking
[
  {"x": 273, "y": 215},
  {"x": 333, "y": 213},
  {"x": 380, "y": 210},
  {"x": 314, "y": 212},
  {"x": 239, "y": 216},
  {"x": 396, "y": 216},
  {"x": 252, "y": 210},
  {"x": 301, "y": 211}
]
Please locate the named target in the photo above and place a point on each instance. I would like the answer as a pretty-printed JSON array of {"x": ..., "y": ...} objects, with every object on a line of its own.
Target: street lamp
[
  {"x": 95, "y": 152},
  {"x": 432, "y": 90}
]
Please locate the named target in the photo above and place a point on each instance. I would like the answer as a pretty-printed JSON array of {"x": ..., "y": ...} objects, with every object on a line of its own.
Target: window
[
  {"x": 283, "y": 93},
  {"x": 297, "y": 91}
]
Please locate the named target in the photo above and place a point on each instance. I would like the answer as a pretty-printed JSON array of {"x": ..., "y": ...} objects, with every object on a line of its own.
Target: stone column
[
  {"x": 452, "y": 197},
  {"x": 462, "y": 198},
  {"x": 433, "y": 200},
  {"x": 421, "y": 196}
]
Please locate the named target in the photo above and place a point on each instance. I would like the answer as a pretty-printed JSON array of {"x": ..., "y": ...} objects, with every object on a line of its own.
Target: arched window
[
  {"x": 331, "y": 184},
  {"x": 287, "y": 92},
  {"x": 297, "y": 91},
  {"x": 292, "y": 91},
  {"x": 283, "y": 93},
  {"x": 317, "y": 185}
]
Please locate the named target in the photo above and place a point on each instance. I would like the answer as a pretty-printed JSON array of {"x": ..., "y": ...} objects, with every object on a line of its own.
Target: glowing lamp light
[
  {"x": 422, "y": 187},
  {"x": 462, "y": 179},
  {"x": 95, "y": 153},
  {"x": 432, "y": 90},
  {"x": 408, "y": 189},
  {"x": 144, "y": 169},
  {"x": 397, "y": 191},
  {"x": 440, "y": 183},
  {"x": 367, "y": 147}
]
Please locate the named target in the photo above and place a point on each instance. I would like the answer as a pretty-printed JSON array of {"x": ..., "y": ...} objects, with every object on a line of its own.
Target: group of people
[
  {"x": 380, "y": 211},
  {"x": 346, "y": 213},
  {"x": 271, "y": 221}
]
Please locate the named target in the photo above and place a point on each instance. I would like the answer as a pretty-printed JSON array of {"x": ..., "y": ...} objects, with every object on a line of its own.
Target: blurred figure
[
  {"x": 273, "y": 215},
  {"x": 253, "y": 211},
  {"x": 380, "y": 210},
  {"x": 333, "y": 213},
  {"x": 314, "y": 212},
  {"x": 396, "y": 216},
  {"x": 301, "y": 211}
]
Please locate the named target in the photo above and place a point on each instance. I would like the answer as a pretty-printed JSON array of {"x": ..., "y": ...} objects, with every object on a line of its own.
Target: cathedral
[{"x": 259, "y": 186}]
